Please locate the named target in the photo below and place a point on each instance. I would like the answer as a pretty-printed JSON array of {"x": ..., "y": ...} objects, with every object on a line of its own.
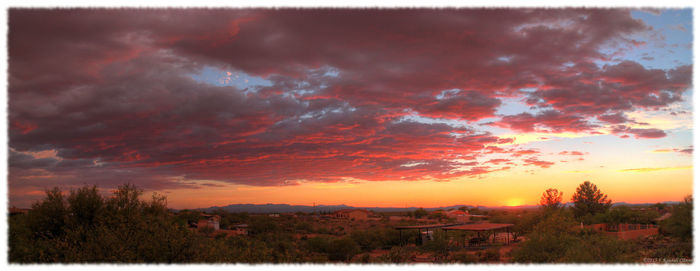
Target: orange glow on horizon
[
  {"x": 498, "y": 189},
  {"x": 514, "y": 202}
]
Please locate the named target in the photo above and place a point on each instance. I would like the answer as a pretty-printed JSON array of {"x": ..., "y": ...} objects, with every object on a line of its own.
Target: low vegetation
[{"x": 85, "y": 226}]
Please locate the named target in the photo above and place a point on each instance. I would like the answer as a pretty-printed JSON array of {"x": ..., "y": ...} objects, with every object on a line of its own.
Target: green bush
[
  {"x": 674, "y": 250},
  {"x": 86, "y": 227},
  {"x": 342, "y": 249},
  {"x": 680, "y": 224},
  {"x": 420, "y": 212},
  {"x": 489, "y": 255},
  {"x": 464, "y": 258},
  {"x": 397, "y": 254},
  {"x": 557, "y": 239}
]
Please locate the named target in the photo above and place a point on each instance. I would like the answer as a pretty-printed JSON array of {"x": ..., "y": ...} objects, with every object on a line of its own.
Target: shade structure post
[
  {"x": 420, "y": 239},
  {"x": 508, "y": 236}
]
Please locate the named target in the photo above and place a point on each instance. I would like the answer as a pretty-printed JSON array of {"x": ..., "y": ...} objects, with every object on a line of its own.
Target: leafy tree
[
  {"x": 85, "y": 206},
  {"x": 90, "y": 228},
  {"x": 522, "y": 222},
  {"x": 557, "y": 239},
  {"x": 47, "y": 218},
  {"x": 588, "y": 199},
  {"x": 646, "y": 217},
  {"x": 551, "y": 199},
  {"x": 187, "y": 217},
  {"x": 619, "y": 214},
  {"x": 680, "y": 224},
  {"x": 438, "y": 215},
  {"x": 420, "y": 212}
]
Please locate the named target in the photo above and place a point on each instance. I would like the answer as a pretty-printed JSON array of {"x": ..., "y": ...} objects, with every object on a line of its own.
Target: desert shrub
[
  {"x": 262, "y": 225},
  {"x": 680, "y": 224},
  {"x": 674, "y": 250},
  {"x": 489, "y": 255},
  {"x": 464, "y": 258},
  {"x": 304, "y": 227},
  {"x": 593, "y": 247},
  {"x": 419, "y": 213},
  {"x": 557, "y": 239},
  {"x": 397, "y": 254},
  {"x": 342, "y": 249},
  {"x": 318, "y": 244},
  {"x": 374, "y": 238},
  {"x": 439, "y": 246},
  {"x": 365, "y": 258}
]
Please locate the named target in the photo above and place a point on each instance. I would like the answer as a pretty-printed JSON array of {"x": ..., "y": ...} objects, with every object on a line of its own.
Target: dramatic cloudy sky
[{"x": 362, "y": 107}]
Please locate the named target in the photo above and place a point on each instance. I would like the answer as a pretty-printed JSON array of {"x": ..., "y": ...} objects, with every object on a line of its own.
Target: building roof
[
  {"x": 479, "y": 227},
  {"x": 428, "y": 226},
  {"x": 457, "y": 213}
]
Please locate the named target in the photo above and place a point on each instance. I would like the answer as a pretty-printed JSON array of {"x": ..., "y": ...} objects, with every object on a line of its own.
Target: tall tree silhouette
[
  {"x": 589, "y": 200},
  {"x": 551, "y": 199}
]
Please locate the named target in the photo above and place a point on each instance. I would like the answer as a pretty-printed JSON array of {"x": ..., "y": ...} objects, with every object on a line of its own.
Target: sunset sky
[{"x": 393, "y": 107}]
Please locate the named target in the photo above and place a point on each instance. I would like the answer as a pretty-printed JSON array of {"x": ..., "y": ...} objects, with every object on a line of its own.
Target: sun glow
[{"x": 514, "y": 202}]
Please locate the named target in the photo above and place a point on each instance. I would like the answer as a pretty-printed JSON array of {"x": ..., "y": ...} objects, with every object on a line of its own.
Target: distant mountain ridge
[{"x": 286, "y": 208}]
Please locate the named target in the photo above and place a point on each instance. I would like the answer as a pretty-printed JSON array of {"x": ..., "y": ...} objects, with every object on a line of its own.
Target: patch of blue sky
[
  {"x": 494, "y": 130},
  {"x": 421, "y": 119},
  {"x": 447, "y": 93},
  {"x": 332, "y": 72},
  {"x": 600, "y": 144},
  {"x": 668, "y": 45},
  {"x": 514, "y": 106},
  {"x": 509, "y": 106},
  {"x": 686, "y": 104},
  {"x": 237, "y": 79},
  {"x": 505, "y": 59}
]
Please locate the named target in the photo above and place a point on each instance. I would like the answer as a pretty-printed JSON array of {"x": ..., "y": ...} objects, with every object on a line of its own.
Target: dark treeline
[
  {"x": 87, "y": 227},
  {"x": 82, "y": 226}
]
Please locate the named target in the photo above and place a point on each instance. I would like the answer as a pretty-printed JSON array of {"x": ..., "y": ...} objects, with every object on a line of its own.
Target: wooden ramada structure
[
  {"x": 486, "y": 229},
  {"x": 479, "y": 228}
]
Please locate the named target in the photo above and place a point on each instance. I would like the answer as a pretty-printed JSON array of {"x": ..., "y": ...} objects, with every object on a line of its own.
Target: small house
[
  {"x": 458, "y": 215},
  {"x": 209, "y": 221},
  {"x": 356, "y": 214}
]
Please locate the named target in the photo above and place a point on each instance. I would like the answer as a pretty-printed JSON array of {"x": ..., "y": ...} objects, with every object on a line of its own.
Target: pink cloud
[{"x": 115, "y": 97}]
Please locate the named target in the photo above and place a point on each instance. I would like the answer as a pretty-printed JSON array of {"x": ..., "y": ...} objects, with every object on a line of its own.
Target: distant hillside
[{"x": 286, "y": 208}]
